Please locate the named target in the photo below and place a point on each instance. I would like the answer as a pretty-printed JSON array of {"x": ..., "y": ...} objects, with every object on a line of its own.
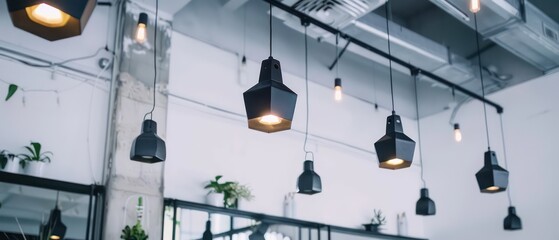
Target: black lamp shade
[
  {"x": 208, "y": 233},
  {"x": 309, "y": 182},
  {"x": 148, "y": 147},
  {"x": 512, "y": 221},
  {"x": 492, "y": 178},
  {"x": 51, "y": 19},
  {"x": 338, "y": 82},
  {"x": 395, "y": 150},
  {"x": 143, "y": 18},
  {"x": 425, "y": 206},
  {"x": 258, "y": 234},
  {"x": 270, "y": 104},
  {"x": 54, "y": 228}
]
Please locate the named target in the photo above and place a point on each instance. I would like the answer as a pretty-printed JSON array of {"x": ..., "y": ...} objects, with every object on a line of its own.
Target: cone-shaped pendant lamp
[
  {"x": 491, "y": 178},
  {"x": 51, "y": 19},
  {"x": 308, "y": 182},
  {"x": 395, "y": 149},
  {"x": 148, "y": 147},
  {"x": 425, "y": 206},
  {"x": 270, "y": 104},
  {"x": 208, "y": 232}
]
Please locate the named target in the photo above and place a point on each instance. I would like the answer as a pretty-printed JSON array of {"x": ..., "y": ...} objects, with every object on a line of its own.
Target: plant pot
[
  {"x": 214, "y": 199},
  {"x": 34, "y": 168},
  {"x": 12, "y": 165},
  {"x": 372, "y": 227}
]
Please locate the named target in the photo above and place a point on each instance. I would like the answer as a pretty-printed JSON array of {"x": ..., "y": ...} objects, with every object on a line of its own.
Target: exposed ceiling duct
[{"x": 520, "y": 28}]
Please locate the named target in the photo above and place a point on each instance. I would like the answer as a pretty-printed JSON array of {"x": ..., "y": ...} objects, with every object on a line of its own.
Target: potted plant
[
  {"x": 377, "y": 221},
  {"x": 135, "y": 232},
  {"x": 9, "y": 162},
  {"x": 229, "y": 193},
  {"x": 34, "y": 160}
]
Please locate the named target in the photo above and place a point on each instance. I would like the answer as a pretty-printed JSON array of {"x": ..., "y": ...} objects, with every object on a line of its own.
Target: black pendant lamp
[
  {"x": 308, "y": 182},
  {"x": 425, "y": 206},
  {"x": 512, "y": 221},
  {"x": 208, "y": 232},
  {"x": 148, "y": 147},
  {"x": 491, "y": 178},
  {"x": 54, "y": 229},
  {"x": 51, "y": 19},
  {"x": 395, "y": 149},
  {"x": 259, "y": 232},
  {"x": 270, "y": 104},
  {"x": 338, "y": 93}
]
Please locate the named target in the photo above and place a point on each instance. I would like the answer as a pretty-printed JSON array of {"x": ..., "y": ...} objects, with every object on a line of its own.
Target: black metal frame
[
  {"x": 275, "y": 220},
  {"x": 412, "y": 68},
  {"x": 96, "y": 196}
]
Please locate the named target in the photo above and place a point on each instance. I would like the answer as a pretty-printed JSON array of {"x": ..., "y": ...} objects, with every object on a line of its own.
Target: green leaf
[
  {"x": 11, "y": 90},
  {"x": 37, "y": 147},
  {"x": 218, "y": 177}
]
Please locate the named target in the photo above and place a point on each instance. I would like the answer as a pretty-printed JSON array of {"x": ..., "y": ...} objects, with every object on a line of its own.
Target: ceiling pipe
[{"x": 412, "y": 68}]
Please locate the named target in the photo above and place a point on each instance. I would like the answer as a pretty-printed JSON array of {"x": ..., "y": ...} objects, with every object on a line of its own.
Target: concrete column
[{"x": 127, "y": 180}]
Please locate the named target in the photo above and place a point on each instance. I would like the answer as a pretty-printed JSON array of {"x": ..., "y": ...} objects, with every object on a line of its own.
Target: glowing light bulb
[
  {"x": 270, "y": 120},
  {"x": 141, "y": 28},
  {"x": 54, "y": 237},
  {"x": 338, "y": 89},
  {"x": 475, "y": 6},
  {"x": 141, "y": 33},
  {"x": 457, "y": 133},
  {"x": 492, "y": 188},
  {"x": 338, "y": 93},
  {"x": 395, "y": 161},
  {"x": 47, "y": 15}
]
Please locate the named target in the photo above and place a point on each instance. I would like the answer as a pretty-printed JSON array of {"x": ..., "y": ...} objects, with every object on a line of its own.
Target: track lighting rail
[{"x": 412, "y": 68}]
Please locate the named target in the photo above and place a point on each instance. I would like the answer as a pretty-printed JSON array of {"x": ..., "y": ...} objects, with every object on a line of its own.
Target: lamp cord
[
  {"x": 386, "y": 6},
  {"x": 150, "y": 113},
  {"x": 418, "y": 129},
  {"x": 482, "y": 83},
  {"x": 505, "y": 154},
  {"x": 244, "y": 29},
  {"x": 337, "y": 57},
  {"x": 270, "y": 29},
  {"x": 307, "y": 97}
]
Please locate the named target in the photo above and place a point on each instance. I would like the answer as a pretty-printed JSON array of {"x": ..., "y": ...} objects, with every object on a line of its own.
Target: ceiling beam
[{"x": 413, "y": 69}]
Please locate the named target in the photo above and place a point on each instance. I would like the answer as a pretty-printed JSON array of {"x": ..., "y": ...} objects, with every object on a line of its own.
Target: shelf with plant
[
  {"x": 377, "y": 221},
  {"x": 232, "y": 191},
  {"x": 34, "y": 159}
]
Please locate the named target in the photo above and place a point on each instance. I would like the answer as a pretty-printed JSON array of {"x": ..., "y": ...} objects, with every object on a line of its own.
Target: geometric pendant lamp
[
  {"x": 54, "y": 228},
  {"x": 512, "y": 221},
  {"x": 395, "y": 149},
  {"x": 51, "y": 19},
  {"x": 270, "y": 104}
]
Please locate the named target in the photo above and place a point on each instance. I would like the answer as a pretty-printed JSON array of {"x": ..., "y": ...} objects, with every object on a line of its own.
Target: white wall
[
  {"x": 202, "y": 143},
  {"x": 530, "y": 121}
]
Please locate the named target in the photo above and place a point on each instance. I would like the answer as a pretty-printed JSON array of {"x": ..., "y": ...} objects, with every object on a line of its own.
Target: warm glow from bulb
[
  {"x": 395, "y": 161},
  {"x": 338, "y": 93},
  {"x": 147, "y": 157},
  {"x": 141, "y": 33},
  {"x": 54, "y": 237},
  {"x": 457, "y": 135},
  {"x": 270, "y": 120},
  {"x": 493, "y": 188},
  {"x": 47, "y": 15},
  {"x": 475, "y": 6}
]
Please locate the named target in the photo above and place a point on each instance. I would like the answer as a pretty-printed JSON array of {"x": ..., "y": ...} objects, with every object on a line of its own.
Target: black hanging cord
[
  {"x": 482, "y": 83},
  {"x": 150, "y": 113},
  {"x": 415, "y": 78},
  {"x": 505, "y": 155},
  {"x": 338, "y": 63},
  {"x": 307, "y": 94},
  {"x": 386, "y": 6},
  {"x": 270, "y": 29},
  {"x": 244, "y": 29}
]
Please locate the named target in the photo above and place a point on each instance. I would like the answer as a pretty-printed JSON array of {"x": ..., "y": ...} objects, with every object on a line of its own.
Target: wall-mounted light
[
  {"x": 457, "y": 133},
  {"x": 141, "y": 28},
  {"x": 51, "y": 19},
  {"x": 270, "y": 104},
  {"x": 394, "y": 150}
]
